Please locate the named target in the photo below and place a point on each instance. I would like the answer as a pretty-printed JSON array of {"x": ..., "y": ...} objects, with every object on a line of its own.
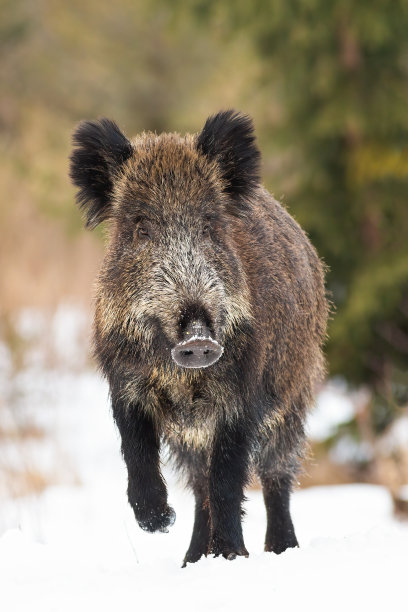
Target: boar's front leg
[
  {"x": 201, "y": 530},
  {"x": 147, "y": 491},
  {"x": 228, "y": 475},
  {"x": 197, "y": 464}
]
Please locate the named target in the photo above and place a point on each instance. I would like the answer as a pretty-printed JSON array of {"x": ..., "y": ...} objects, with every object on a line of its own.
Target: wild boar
[{"x": 209, "y": 322}]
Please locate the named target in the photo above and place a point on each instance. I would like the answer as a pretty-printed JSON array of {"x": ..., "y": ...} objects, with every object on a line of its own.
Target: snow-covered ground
[{"x": 76, "y": 545}]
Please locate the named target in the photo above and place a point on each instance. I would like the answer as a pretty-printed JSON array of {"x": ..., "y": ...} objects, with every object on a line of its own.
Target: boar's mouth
[{"x": 198, "y": 349}]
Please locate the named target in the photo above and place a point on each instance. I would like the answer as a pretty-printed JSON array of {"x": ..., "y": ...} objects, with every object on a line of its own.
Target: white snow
[
  {"x": 396, "y": 436},
  {"x": 77, "y": 547},
  {"x": 89, "y": 554},
  {"x": 334, "y": 406}
]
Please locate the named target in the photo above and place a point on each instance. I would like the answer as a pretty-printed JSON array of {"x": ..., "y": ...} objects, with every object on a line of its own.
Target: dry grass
[
  {"x": 21, "y": 474},
  {"x": 321, "y": 471},
  {"x": 44, "y": 267},
  {"x": 27, "y": 431},
  {"x": 20, "y": 483}
]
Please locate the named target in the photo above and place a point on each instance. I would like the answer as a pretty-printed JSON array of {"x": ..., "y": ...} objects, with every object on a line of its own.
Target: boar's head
[{"x": 173, "y": 279}]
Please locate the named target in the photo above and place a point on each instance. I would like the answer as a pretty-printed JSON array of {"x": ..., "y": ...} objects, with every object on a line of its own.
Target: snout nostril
[{"x": 185, "y": 353}]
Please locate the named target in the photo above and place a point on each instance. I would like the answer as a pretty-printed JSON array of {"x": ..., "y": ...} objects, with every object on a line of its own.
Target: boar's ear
[
  {"x": 100, "y": 150},
  {"x": 228, "y": 138}
]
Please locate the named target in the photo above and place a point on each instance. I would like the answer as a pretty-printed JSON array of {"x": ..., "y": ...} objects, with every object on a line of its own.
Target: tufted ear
[
  {"x": 228, "y": 138},
  {"x": 100, "y": 150}
]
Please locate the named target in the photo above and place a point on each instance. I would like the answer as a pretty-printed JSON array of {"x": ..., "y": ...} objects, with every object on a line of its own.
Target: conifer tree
[{"x": 341, "y": 72}]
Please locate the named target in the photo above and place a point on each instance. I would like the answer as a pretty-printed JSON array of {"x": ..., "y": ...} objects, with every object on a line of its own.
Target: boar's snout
[
  {"x": 198, "y": 349},
  {"x": 197, "y": 352}
]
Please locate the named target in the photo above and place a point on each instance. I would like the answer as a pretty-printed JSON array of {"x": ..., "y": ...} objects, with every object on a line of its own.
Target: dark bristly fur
[
  {"x": 101, "y": 151},
  {"x": 228, "y": 138},
  {"x": 194, "y": 236}
]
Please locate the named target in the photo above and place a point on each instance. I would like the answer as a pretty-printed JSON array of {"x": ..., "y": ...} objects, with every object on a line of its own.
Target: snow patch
[
  {"x": 334, "y": 406},
  {"x": 77, "y": 545}
]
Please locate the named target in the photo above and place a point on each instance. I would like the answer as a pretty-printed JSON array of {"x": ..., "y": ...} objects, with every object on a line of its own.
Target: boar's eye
[
  {"x": 143, "y": 230},
  {"x": 206, "y": 230}
]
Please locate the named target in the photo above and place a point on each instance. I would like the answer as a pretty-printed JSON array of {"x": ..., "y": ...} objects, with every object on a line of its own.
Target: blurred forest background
[{"x": 326, "y": 82}]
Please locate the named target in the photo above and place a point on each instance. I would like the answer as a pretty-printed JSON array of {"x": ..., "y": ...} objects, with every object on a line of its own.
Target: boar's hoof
[
  {"x": 192, "y": 557},
  {"x": 230, "y": 556},
  {"x": 158, "y": 520},
  {"x": 229, "y": 552},
  {"x": 279, "y": 546}
]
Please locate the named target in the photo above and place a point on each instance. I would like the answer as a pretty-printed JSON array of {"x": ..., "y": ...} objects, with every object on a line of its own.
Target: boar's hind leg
[
  {"x": 147, "y": 491},
  {"x": 228, "y": 476},
  {"x": 280, "y": 533}
]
